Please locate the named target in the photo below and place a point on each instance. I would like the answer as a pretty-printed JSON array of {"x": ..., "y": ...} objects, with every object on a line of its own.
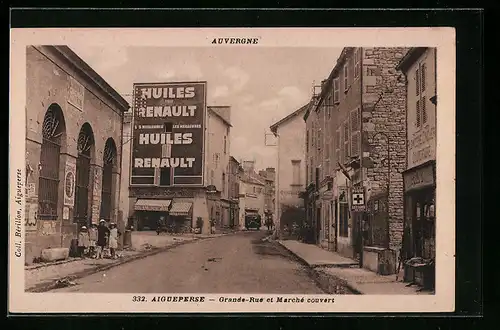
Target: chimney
[
  {"x": 271, "y": 173},
  {"x": 248, "y": 165}
]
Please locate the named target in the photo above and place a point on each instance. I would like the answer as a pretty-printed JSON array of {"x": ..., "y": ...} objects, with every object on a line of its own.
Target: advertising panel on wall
[{"x": 168, "y": 134}]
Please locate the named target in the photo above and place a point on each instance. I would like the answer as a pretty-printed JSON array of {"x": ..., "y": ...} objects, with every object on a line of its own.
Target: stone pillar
[
  {"x": 69, "y": 229},
  {"x": 95, "y": 192},
  {"x": 115, "y": 197},
  {"x": 31, "y": 205}
]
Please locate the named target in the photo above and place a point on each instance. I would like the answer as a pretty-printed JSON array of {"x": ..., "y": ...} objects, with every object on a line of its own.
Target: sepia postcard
[{"x": 232, "y": 170}]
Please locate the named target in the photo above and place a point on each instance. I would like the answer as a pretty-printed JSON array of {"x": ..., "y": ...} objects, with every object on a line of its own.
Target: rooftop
[
  {"x": 85, "y": 69},
  {"x": 410, "y": 57},
  {"x": 274, "y": 127}
]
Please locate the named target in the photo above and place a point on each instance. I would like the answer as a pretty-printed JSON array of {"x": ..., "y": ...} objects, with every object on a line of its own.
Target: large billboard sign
[{"x": 168, "y": 134}]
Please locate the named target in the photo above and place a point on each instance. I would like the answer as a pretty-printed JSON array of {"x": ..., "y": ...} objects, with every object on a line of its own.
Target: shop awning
[
  {"x": 181, "y": 208},
  {"x": 160, "y": 205}
]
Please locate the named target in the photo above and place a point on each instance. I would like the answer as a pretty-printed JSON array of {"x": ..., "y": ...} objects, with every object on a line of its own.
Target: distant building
[
  {"x": 234, "y": 173},
  {"x": 419, "y": 66},
  {"x": 73, "y": 148},
  {"x": 252, "y": 193},
  {"x": 269, "y": 176},
  {"x": 217, "y": 166},
  {"x": 290, "y": 132}
]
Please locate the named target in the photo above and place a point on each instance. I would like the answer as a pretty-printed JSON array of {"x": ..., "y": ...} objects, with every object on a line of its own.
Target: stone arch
[
  {"x": 53, "y": 145},
  {"x": 109, "y": 182},
  {"x": 83, "y": 192}
]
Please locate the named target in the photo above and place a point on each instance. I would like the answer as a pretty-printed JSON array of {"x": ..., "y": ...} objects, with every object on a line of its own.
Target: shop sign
[
  {"x": 168, "y": 132},
  {"x": 419, "y": 178},
  {"x": 76, "y": 93},
  {"x": 358, "y": 201},
  {"x": 161, "y": 193},
  {"x": 69, "y": 184},
  {"x": 422, "y": 146}
]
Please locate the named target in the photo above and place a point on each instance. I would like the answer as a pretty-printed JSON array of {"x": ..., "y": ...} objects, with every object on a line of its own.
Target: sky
[{"x": 262, "y": 85}]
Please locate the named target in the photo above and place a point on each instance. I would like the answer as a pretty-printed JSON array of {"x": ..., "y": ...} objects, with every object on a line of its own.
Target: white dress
[{"x": 113, "y": 238}]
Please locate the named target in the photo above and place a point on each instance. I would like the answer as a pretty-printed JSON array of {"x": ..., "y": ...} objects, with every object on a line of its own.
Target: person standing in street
[
  {"x": 83, "y": 241},
  {"x": 102, "y": 237},
  {"x": 113, "y": 239},
  {"x": 92, "y": 240}
]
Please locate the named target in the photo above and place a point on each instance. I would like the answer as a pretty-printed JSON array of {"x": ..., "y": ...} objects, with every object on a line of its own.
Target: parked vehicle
[{"x": 253, "y": 221}]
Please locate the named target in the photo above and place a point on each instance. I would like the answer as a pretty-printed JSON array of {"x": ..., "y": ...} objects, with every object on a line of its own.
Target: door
[{"x": 357, "y": 235}]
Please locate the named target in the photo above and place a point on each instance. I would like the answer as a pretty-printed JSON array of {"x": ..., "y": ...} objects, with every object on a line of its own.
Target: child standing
[
  {"x": 113, "y": 239},
  {"x": 83, "y": 241},
  {"x": 92, "y": 240},
  {"x": 102, "y": 237}
]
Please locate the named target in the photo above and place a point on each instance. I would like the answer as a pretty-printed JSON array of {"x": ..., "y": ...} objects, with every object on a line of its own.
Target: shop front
[
  {"x": 325, "y": 203},
  {"x": 180, "y": 209},
  {"x": 419, "y": 246},
  {"x": 234, "y": 214},
  {"x": 180, "y": 216},
  {"x": 150, "y": 212}
]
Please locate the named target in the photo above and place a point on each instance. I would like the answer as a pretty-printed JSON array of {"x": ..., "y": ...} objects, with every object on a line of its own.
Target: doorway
[{"x": 318, "y": 225}]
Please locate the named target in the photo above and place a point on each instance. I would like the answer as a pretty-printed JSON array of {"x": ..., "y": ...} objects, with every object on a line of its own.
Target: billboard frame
[{"x": 204, "y": 135}]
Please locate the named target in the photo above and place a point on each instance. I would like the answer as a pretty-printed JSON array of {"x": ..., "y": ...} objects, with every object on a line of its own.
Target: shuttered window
[
  {"x": 336, "y": 90},
  {"x": 355, "y": 132},
  {"x": 357, "y": 62},
  {"x": 421, "y": 103},
  {"x": 338, "y": 154},
  {"x": 346, "y": 151}
]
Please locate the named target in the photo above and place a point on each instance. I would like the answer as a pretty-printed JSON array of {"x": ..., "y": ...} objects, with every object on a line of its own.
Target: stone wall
[
  {"x": 48, "y": 77},
  {"x": 384, "y": 104}
]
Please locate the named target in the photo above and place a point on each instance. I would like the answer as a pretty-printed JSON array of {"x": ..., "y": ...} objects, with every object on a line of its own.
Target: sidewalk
[
  {"x": 333, "y": 270},
  {"x": 39, "y": 277}
]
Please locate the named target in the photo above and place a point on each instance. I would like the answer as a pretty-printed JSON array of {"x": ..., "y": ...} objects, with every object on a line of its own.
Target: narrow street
[{"x": 239, "y": 263}]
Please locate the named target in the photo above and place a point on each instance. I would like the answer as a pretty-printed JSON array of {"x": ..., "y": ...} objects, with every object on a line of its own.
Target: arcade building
[{"x": 73, "y": 148}]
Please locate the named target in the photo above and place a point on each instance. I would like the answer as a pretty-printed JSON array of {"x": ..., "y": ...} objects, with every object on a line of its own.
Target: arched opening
[
  {"x": 85, "y": 147},
  {"x": 53, "y": 130},
  {"x": 109, "y": 162}
]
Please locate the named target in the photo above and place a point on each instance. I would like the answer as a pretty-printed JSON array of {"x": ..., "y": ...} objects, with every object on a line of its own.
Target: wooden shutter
[
  {"x": 423, "y": 69},
  {"x": 338, "y": 155},
  {"x": 423, "y": 110},
  {"x": 336, "y": 90},
  {"x": 417, "y": 82},
  {"x": 417, "y": 108},
  {"x": 355, "y": 132},
  {"x": 347, "y": 151}
]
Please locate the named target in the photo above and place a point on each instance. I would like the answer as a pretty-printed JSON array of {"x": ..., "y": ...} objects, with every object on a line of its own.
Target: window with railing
[
  {"x": 85, "y": 144},
  {"x": 109, "y": 158},
  {"x": 52, "y": 131}
]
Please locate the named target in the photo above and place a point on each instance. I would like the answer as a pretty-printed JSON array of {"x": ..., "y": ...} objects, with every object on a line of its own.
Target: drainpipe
[{"x": 122, "y": 225}]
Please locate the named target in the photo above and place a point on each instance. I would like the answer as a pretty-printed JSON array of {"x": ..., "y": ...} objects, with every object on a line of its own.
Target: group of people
[{"x": 96, "y": 240}]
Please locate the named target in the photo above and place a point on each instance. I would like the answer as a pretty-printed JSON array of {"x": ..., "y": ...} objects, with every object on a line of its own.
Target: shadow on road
[{"x": 266, "y": 248}]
